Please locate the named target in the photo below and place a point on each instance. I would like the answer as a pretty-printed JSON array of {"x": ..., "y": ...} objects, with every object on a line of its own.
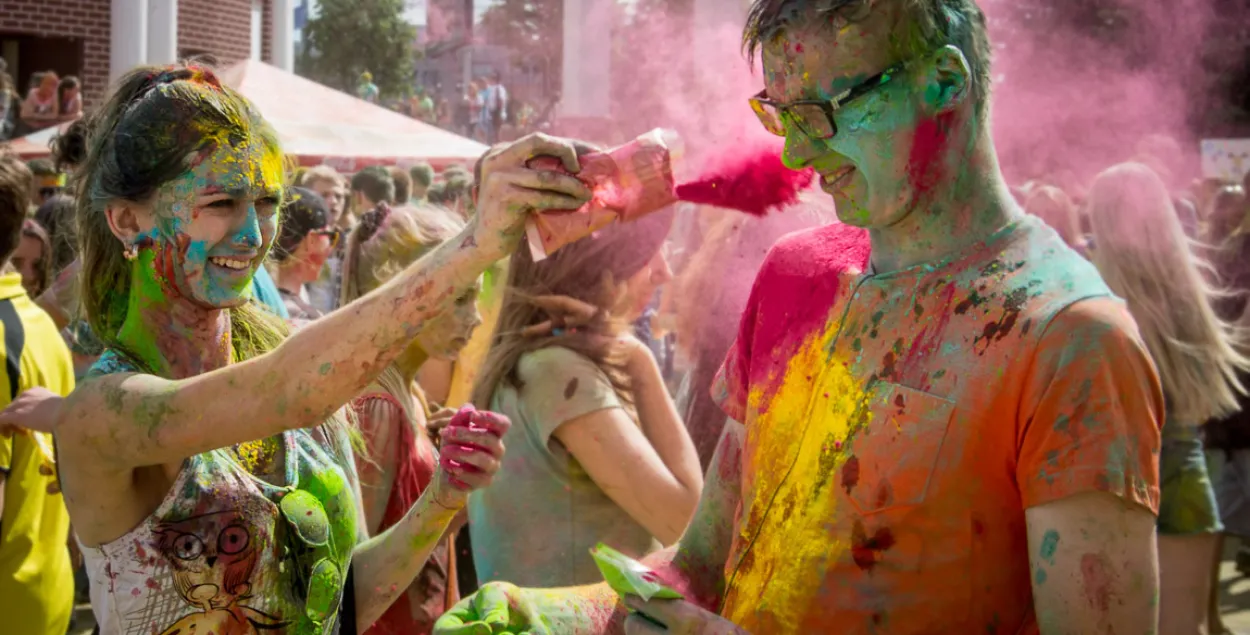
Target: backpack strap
[{"x": 14, "y": 342}]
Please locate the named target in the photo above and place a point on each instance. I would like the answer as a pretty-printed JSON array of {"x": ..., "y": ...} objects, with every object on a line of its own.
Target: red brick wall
[
  {"x": 220, "y": 27},
  {"x": 266, "y": 33},
  {"x": 87, "y": 20}
]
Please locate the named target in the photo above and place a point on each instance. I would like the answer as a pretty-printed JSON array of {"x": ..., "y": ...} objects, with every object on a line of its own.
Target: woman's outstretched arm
[{"x": 130, "y": 420}]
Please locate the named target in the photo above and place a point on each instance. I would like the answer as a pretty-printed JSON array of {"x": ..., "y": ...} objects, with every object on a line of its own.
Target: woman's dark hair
[
  {"x": 36, "y": 78},
  {"x": 67, "y": 82},
  {"x": 43, "y": 268},
  {"x": 56, "y": 215},
  {"x": 155, "y": 125},
  {"x": 69, "y": 149}
]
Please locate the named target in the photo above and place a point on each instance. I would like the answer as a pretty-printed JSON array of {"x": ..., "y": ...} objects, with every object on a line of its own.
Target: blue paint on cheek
[{"x": 249, "y": 235}]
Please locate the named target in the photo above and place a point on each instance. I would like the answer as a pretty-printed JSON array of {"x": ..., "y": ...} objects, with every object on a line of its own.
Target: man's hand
[
  {"x": 439, "y": 420},
  {"x": 37, "y": 409},
  {"x": 496, "y": 607},
  {"x": 674, "y": 617}
]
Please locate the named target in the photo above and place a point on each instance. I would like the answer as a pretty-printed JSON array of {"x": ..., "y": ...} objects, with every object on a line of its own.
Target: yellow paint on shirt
[{"x": 797, "y": 442}]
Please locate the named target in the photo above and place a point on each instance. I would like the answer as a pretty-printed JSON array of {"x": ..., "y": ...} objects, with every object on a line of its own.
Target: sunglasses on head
[{"x": 814, "y": 117}]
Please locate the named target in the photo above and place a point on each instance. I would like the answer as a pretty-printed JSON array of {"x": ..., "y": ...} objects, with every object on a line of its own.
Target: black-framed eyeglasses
[{"x": 814, "y": 117}]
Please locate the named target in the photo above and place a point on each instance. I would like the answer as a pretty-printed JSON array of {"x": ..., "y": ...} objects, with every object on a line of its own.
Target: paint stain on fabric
[
  {"x": 1096, "y": 581},
  {"x": 570, "y": 389},
  {"x": 866, "y": 550},
  {"x": 850, "y": 474}
]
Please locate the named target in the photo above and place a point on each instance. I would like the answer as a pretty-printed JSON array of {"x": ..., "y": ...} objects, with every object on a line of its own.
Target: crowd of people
[
  {"x": 919, "y": 399},
  {"x": 484, "y": 110},
  {"x": 50, "y": 100}
]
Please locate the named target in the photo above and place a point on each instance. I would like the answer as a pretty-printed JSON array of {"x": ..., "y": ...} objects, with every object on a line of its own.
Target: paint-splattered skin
[{"x": 126, "y": 434}]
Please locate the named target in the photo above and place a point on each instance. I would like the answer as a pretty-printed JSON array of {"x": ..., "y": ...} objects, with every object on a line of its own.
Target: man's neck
[
  {"x": 954, "y": 214},
  {"x": 171, "y": 336}
]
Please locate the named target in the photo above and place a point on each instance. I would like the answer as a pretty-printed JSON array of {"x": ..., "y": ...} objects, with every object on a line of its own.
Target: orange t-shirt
[{"x": 898, "y": 426}]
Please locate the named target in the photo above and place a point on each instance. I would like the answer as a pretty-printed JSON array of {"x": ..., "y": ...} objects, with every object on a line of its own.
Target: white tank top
[{"x": 222, "y": 554}]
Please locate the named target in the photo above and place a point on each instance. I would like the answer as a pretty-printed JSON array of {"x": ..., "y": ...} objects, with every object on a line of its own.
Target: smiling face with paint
[
  {"x": 210, "y": 227},
  {"x": 884, "y": 100},
  {"x": 885, "y": 154}
]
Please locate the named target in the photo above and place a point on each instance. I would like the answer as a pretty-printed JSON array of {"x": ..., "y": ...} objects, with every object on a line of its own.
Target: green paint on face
[{"x": 1050, "y": 543}]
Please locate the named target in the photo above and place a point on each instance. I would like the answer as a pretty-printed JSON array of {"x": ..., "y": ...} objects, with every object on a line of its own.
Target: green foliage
[{"x": 349, "y": 37}]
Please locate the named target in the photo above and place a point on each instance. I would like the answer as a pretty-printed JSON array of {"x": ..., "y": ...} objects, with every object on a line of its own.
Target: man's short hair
[
  {"x": 15, "y": 184},
  {"x": 929, "y": 25},
  {"x": 403, "y": 185},
  {"x": 318, "y": 173},
  {"x": 421, "y": 174},
  {"x": 376, "y": 184}
]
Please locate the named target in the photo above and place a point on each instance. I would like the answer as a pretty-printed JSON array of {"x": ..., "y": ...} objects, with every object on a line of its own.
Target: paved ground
[
  {"x": 1235, "y": 602},
  {"x": 1234, "y": 594}
]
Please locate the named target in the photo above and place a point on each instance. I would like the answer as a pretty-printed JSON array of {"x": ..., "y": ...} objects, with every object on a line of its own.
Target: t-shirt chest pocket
[{"x": 893, "y": 457}]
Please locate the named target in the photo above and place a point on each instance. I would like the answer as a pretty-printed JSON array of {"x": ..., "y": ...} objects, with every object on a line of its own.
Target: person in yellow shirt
[{"x": 36, "y": 580}]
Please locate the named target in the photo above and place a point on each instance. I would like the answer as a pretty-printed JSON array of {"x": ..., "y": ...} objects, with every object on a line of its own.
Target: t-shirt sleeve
[
  {"x": 559, "y": 385},
  {"x": 1092, "y": 410}
]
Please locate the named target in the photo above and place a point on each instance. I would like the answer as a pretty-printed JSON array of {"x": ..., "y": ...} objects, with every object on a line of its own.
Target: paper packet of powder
[
  {"x": 628, "y": 182},
  {"x": 627, "y": 576}
]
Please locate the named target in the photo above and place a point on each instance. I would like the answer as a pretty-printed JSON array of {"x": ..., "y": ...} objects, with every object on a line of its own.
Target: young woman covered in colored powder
[
  {"x": 1141, "y": 250},
  {"x": 401, "y": 460},
  {"x": 598, "y": 452},
  {"x": 207, "y": 464}
]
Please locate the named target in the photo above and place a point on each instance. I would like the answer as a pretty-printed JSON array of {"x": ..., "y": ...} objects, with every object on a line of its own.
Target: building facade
[{"x": 98, "y": 40}]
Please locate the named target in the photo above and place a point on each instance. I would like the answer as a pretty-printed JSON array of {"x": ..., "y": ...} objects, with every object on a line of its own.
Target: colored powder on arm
[{"x": 756, "y": 184}]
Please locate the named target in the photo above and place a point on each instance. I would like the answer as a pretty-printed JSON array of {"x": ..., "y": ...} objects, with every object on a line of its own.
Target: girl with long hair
[
  {"x": 1142, "y": 251},
  {"x": 597, "y": 452},
  {"x": 206, "y": 461},
  {"x": 393, "y": 412}
]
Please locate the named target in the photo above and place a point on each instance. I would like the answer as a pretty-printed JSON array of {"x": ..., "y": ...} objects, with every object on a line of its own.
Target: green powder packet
[{"x": 627, "y": 576}]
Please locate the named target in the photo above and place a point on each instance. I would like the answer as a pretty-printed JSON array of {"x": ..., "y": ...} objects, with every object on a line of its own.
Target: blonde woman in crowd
[
  {"x": 393, "y": 411},
  {"x": 1142, "y": 251}
]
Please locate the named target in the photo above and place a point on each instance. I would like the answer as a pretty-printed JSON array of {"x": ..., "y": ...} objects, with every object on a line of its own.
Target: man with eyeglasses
[{"x": 948, "y": 423}]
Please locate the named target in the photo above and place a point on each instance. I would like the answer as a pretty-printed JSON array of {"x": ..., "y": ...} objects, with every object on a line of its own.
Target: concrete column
[
  {"x": 162, "y": 31},
  {"x": 282, "y": 41},
  {"x": 128, "y": 35},
  {"x": 587, "y": 59}
]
